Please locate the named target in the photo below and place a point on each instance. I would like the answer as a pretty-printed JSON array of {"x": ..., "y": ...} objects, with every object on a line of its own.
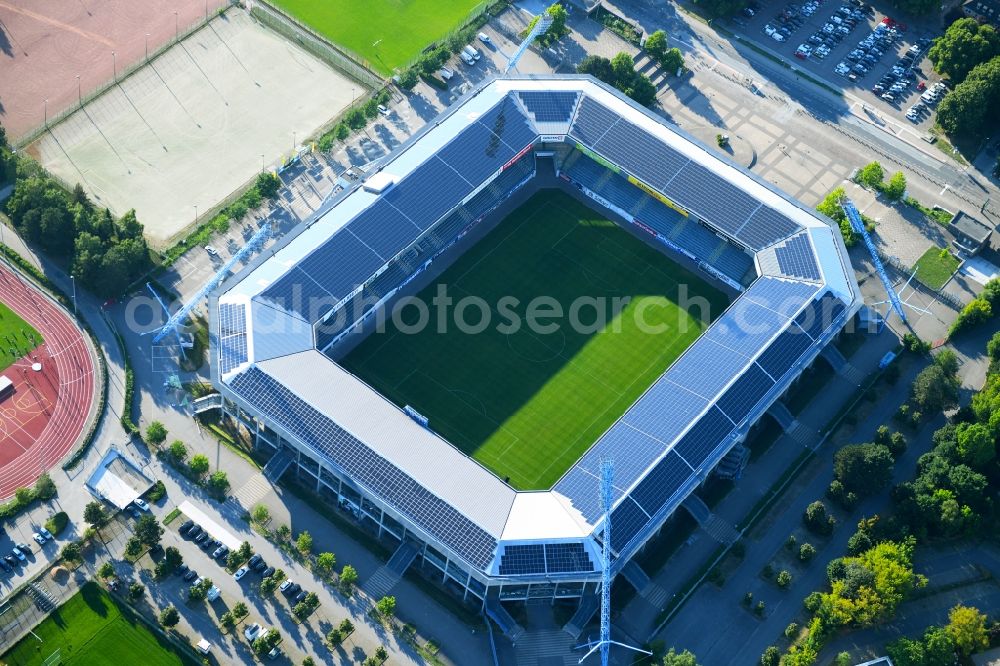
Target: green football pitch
[
  {"x": 527, "y": 403},
  {"x": 386, "y": 33},
  {"x": 91, "y": 629},
  {"x": 17, "y": 337}
]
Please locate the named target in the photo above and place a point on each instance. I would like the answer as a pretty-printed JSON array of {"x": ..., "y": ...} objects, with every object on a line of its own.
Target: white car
[
  {"x": 285, "y": 585},
  {"x": 484, "y": 38},
  {"x": 242, "y": 571},
  {"x": 466, "y": 58},
  {"x": 45, "y": 533},
  {"x": 142, "y": 504},
  {"x": 913, "y": 116},
  {"x": 446, "y": 73},
  {"x": 211, "y": 251},
  {"x": 39, "y": 539},
  {"x": 383, "y": 110},
  {"x": 778, "y": 37},
  {"x": 252, "y": 632},
  {"x": 769, "y": 29}
]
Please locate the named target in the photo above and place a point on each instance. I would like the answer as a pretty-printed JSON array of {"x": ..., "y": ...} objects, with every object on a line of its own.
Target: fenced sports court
[{"x": 196, "y": 124}]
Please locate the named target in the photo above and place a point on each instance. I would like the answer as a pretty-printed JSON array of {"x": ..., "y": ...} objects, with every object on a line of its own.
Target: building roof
[
  {"x": 970, "y": 227},
  {"x": 673, "y": 435}
]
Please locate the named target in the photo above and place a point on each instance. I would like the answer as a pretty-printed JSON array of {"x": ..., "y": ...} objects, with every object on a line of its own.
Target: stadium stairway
[
  {"x": 381, "y": 582},
  {"x": 634, "y": 574},
  {"x": 714, "y": 526},
  {"x": 792, "y": 427},
  {"x": 842, "y": 366},
  {"x": 581, "y": 618},
  {"x": 508, "y": 625},
  {"x": 251, "y": 492},
  {"x": 208, "y": 402},
  {"x": 43, "y": 600},
  {"x": 277, "y": 465}
]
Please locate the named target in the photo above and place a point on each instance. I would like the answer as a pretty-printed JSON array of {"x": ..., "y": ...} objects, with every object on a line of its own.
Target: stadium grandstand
[{"x": 278, "y": 327}]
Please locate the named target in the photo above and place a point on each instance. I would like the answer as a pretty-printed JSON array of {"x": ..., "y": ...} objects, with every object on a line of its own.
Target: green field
[
  {"x": 935, "y": 266},
  {"x": 12, "y": 327},
  {"x": 91, "y": 629},
  {"x": 402, "y": 28},
  {"x": 528, "y": 403}
]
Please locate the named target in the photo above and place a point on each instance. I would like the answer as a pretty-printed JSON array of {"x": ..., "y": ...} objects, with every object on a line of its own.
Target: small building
[
  {"x": 988, "y": 658},
  {"x": 971, "y": 235},
  {"x": 118, "y": 479},
  {"x": 881, "y": 661},
  {"x": 984, "y": 11}
]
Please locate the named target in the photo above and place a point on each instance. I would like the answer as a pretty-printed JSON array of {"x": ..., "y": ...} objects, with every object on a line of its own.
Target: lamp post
[
  {"x": 293, "y": 141},
  {"x": 262, "y": 162},
  {"x": 46, "y": 112},
  {"x": 147, "y": 47},
  {"x": 176, "y": 28},
  {"x": 114, "y": 65},
  {"x": 196, "y": 213},
  {"x": 72, "y": 278},
  {"x": 79, "y": 91}
]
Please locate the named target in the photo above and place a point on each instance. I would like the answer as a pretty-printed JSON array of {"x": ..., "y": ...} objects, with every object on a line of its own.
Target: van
[
  {"x": 471, "y": 51},
  {"x": 466, "y": 58},
  {"x": 446, "y": 73},
  {"x": 204, "y": 646},
  {"x": 213, "y": 593},
  {"x": 484, "y": 38}
]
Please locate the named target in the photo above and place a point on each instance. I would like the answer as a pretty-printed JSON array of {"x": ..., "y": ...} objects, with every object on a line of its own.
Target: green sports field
[
  {"x": 24, "y": 337},
  {"x": 527, "y": 403},
  {"x": 90, "y": 629},
  {"x": 402, "y": 28}
]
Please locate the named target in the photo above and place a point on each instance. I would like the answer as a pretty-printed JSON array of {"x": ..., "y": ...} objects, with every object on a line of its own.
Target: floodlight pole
[
  {"x": 79, "y": 91},
  {"x": 114, "y": 65},
  {"x": 72, "y": 279},
  {"x": 46, "y": 112},
  {"x": 177, "y": 32},
  {"x": 147, "y": 47}
]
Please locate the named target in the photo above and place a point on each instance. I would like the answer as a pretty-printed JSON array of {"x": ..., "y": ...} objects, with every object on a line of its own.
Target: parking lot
[{"x": 850, "y": 45}]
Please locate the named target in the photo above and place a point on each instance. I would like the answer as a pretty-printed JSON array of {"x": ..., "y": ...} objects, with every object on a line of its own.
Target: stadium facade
[{"x": 274, "y": 326}]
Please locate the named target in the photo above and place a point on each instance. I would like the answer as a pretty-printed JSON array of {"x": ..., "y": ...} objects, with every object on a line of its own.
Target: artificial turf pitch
[
  {"x": 528, "y": 403},
  {"x": 386, "y": 33},
  {"x": 17, "y": 337},
  {"x": 91, "y": 629}
]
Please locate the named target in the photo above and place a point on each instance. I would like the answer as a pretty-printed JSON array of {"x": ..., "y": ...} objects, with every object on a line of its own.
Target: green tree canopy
[
  {"x": 965, "y": 44},
  {"x": 896, "y": 187},
  {"x": 967, "y": 628},
  {"x": 656, "y": 45},
  {"x": 863, "y": 468},
  {"x": 976, "y": 444},
  {"x": 967, "y": 110},
  {"x": 870, "y": 175},
  {"x": 674, "y": 658}
]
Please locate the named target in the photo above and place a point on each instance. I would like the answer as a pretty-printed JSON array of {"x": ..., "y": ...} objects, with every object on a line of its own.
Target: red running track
[{"x": 43, "y": 419}]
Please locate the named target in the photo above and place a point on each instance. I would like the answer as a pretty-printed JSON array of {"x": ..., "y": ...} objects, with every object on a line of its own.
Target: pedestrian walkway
[{"x": 252, "y": 492}]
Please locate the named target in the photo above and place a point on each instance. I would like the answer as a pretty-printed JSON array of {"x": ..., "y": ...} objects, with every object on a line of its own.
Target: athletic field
[
  {"x": 17, "y": 337},
  {"x": 527, "y": 403},
  {"x": 386, "y": 33},
  {"x": 90, "y": 629}
]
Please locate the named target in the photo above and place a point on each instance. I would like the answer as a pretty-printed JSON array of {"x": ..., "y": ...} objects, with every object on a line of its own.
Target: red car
[{"x": 921, "y": 86}]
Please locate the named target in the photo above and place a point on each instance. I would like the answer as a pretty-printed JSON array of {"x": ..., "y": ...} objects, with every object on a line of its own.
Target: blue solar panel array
[
  {"x": 766, "y": 227},
  {"x": 627, "y": 520},
  {"x": 549, "y": 106},
  {"x": 522, "y": 560},
  {"x": 745, "y": 393},
  {"x": 232, "y": 336},
  {"x": 665, "y": 479},
  {"x": 567, "y": 557},
  {"x": 796, "y": 259},
  {"x": 412, "y": 206},
  {"x": 592, "y": 121},
  {"x": 366, "y": 467},
  {"x": 640, "y": 153},
  {"x": 821, "y": 315},
  {"x": 783, "y": 353}
]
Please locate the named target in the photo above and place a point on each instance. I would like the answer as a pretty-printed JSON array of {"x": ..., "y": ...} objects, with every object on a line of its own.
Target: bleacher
[
  {"x": 686, "y": 232},
  {"x": 443, "y": 233}
]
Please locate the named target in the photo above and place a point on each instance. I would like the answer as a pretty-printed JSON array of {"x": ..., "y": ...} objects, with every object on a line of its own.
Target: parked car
[
  {"x": 201, "y": 538},
  {"x": 484, "y": 38},
  {"x": 45, "y": 533},
  {"x": 301, "y": 596},
  {"x": 190, "y": 575},
  {"x": 141, "y": 503},
  {"x": 242, "y": 571},
  {"x": 469, "y": 60},
  {"x": 23, "y": 547},
  {"x": 286, "y": 585},
  {"x": 10, "y": 560},
  {"x": 252, "y": 632},
  {"x": 267, "y": 572},
  {"x": 446, "y": 73},
  {"x": 16, "y": 552},
  {"x": 212, "y": 252},
  {"x": 39, "y": 539},
  {"x": 6, "y": 567},
  {"x": 254, "y": 560},
  {"x": 182, "y": 569},
  {"x": 193, "y": 531},
  {"x": 292, "y": 590},
  {"x": 221, "y": 551}
]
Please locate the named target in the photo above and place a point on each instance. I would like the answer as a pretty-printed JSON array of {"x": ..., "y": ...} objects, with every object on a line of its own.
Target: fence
[{"x": 335, "y": 56}]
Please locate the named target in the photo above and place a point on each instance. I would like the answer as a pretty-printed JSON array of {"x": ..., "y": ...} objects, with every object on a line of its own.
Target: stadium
[{"x": 471, "y": 451}]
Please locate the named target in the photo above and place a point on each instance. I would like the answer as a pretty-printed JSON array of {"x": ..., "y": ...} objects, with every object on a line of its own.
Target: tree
[
  {"x": 977, "y": 311},
  {"x": 45, "y": 488},
  {"x": 71, "y": 552},
  {"x": 284, "y": 532},
  {"x": 308, "y": 661},
  {"x": 380, "y": 653},
  {"x": 672, "y": 60},
  {"x": 133, "y": 547},
  {"x": 934, "y": 391},
  {"x": 939, "y": 647},
  {"x": 817, "y": 519},
  {"x": 598, "y": 67},
  {"x": 107, "y": 570},
  {"x": 870, "y": 175},
  {"x": 674, "y": 658},
  {"x": 784, "y": 578},
  {"x": 136, "y": 590},
  {"x": 260, "y": 514},
  {"x": 169, "y": 617},
  {"x": 386, "y": 607},
  {"x": 896, "y": 187},
  {"x": 622, "y": 70},
  {"x": 830, "y": 206},
  {"x": 863, "y": 468},
  {"x": 964, "y": 110},
  {"x": 721, "y": 8},
  {"x": 334, "y": 637},
  {"x": 325, "y": 562},
  {"x": 771, "y": 656},
  {"x": 965, "y": 44},
  {"x": 23, "y": 496},
  {"x": 993, "y": 347},
  {"x": 304, "y": 542},
  {"x": 171, "y": 560},
  {"x": 407, "y": 80},
  {"x": 198, "y": 465},
  {"x": 806, "y": 552},
  {"x": 148, "y": 530},
  {"x": 178, "y": 452},
  {"x": 346, "y": 627},
  {"x": 348, "y": 579},
  {"x": 268, "y": 185},
  {"x": 976, "y": 445},
  {"x": 656, "y": 45},
  {"x": 94, "y": 514},
  {"x": 218, "y": 482},
  {"x": 267, "y": 586},
  {"x": 267, "y": 642},
  {"x": 967, "y": 628},
  {"x": 156, "y": 433},
  {"x": 240, "y": 609}
]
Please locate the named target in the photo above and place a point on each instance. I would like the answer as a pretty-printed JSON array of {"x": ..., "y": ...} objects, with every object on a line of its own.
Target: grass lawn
[
  {"x": 934, "y": 269},
  {"x": 526, "y": 403},
  {"x": 91, "y": 629},
  {"x": 402, "y": 28},
  {"x": 12, "y": 327}
]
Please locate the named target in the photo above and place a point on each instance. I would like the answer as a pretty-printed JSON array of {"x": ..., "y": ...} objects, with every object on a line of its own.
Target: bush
[
  {"x": 71, "y": 552},
  {"x": 135, "y": 590},
  {"x": 386, "y": 607},
  {"x": 156, "y": 433},
  {"x": 157, "y": 492},
  {"x": 770, "y": 657},
  {"x": 57, "y": 523},
  {"x": 169, "y": 617},
  {"x": 817, "y": 519},
  {"x": 106, "y": 570},
  {"x": 806, "y": 552},
  {"x": 870, "y": 176},
  {"x": 267, "y": 185},
  {"x": 783, "y": 579},
  {"x": 198, "y": 465},
  {"x": 759, "y": 609},
  {"x": 348, "y": 579},
  {"x": 792, "y": 630}
]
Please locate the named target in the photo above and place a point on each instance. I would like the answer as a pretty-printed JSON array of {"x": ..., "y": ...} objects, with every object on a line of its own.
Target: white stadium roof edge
[{"x": 265, "y": 356}]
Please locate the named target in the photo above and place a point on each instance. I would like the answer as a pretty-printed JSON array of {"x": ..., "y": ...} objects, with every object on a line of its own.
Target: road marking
[
  {"x": 946, "y": 187},
  {"x": 57, "y": 24}
]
